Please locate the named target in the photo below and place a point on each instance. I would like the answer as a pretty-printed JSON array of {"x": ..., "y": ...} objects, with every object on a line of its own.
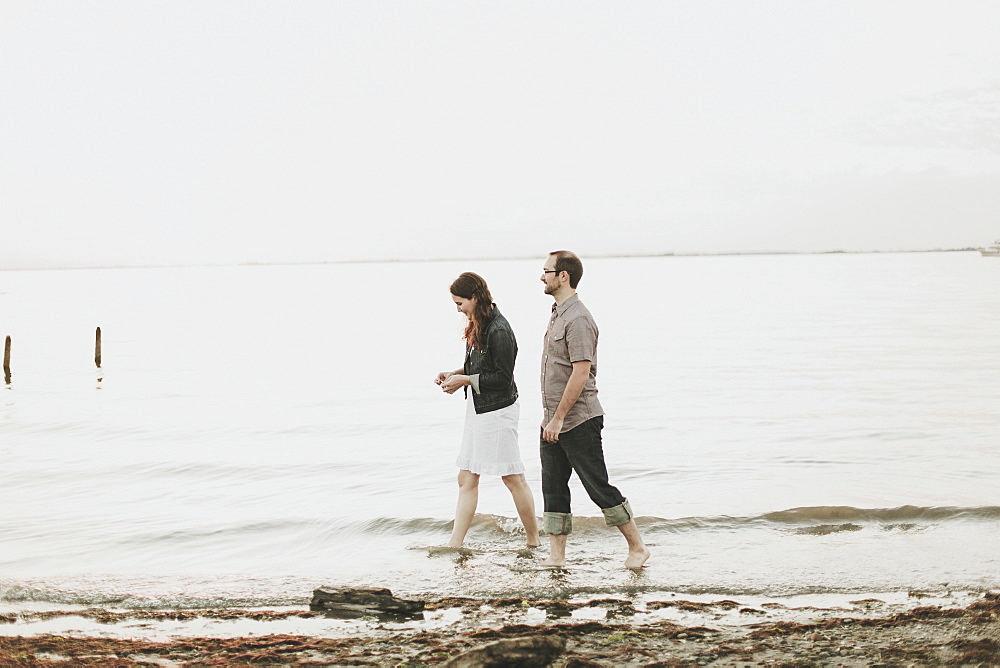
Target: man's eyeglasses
[{"x": 550, "y": 271}]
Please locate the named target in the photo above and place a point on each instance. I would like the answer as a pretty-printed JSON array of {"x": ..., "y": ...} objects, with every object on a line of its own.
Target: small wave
[
  {"x": 52, "y": 594},
  {"x": 416, "y": 525},
  {"x": 817, "y": 520},
  {"x": 826, "y": 529},
  {"x": 882, "y": 515},
  {"x": 424, "y": 525}
]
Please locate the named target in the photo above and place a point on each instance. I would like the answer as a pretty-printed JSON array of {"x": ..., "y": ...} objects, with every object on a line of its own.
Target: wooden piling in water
[
  {"x": 97, "y": 349},
  {"x": 6, "y": 360}
]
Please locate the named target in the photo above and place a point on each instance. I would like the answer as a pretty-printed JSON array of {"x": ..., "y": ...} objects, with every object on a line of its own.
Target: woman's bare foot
[{"x": 636, "y": 560}]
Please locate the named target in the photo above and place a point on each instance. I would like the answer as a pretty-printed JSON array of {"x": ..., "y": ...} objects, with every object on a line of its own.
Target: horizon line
[{"x": 503, "y": 258}]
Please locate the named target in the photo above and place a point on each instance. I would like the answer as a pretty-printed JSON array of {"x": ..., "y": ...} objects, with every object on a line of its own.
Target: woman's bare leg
[
  {"x": 524, "y": 501},
  {"x": 465, "y": 509}
]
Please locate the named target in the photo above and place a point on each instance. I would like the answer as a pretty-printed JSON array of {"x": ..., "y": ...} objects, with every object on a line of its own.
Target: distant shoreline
[{"x": 508, "y": 258}]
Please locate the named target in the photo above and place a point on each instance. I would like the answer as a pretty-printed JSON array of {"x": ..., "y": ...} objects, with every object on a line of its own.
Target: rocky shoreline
[{"x": 518, "y": 631}]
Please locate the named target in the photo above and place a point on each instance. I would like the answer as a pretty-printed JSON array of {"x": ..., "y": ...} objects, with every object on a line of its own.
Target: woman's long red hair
[{"x": 467, "y": 286}]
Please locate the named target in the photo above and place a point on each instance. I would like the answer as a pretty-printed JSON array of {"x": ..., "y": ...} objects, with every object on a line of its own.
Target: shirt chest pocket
[{"x": 558, "y": 333}]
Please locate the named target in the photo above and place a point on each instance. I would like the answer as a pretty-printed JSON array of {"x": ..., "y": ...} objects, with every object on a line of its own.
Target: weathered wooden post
[
  {"x": 97, "y": 349},
  {"x": 6, "y": 360}
]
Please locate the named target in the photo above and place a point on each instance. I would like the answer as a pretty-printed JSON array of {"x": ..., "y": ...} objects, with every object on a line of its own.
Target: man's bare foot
[
  {"x": 557, "y": 551},
  {"x": 636, "y": 560},
  {"x": 533, "y": 545}
]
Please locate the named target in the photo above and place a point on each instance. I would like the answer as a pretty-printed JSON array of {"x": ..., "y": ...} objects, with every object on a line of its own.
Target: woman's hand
[
  {"x": 453, "y": 382},
  {"x": 443, "y": 376}
]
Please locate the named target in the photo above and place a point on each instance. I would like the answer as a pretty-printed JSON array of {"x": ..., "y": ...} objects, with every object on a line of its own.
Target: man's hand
[
  {"x": 574, "y": 386},
  {"x": 550, "y": 434}
]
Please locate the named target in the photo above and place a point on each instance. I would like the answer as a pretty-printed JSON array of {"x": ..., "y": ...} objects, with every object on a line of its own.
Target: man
[{"x": 573, "y": 417}]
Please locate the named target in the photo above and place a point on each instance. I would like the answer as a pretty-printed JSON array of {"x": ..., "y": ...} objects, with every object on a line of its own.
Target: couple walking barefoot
[{"x": 573, "y": 417}]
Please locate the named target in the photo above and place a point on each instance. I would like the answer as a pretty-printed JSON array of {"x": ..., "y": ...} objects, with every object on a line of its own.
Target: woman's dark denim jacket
[{"x": 494, "y": 365}]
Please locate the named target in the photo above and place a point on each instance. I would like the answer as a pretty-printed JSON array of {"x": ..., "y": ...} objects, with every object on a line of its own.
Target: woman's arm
[
  {"x": 444, "y": 375},
  {"x": 502, "y": 350},
  {"x": 450, "y": 381}
]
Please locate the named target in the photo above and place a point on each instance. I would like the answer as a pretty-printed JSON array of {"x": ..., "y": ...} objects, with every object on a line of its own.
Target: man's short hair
[{"x": 568, "y": 261}]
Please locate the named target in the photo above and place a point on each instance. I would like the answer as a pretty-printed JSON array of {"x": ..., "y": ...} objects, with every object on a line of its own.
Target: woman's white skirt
[{"x": 489, "y": 444}]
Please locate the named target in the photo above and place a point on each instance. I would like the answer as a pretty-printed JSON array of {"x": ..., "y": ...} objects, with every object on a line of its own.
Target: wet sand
[{"x": 602, "y": 632}]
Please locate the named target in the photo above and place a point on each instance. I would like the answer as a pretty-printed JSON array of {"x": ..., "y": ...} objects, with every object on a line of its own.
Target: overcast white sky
[{"x": 139, "y": 132}]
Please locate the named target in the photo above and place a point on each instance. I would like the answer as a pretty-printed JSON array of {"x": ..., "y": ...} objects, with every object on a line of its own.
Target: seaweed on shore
[{"x": 926, "y": 635}]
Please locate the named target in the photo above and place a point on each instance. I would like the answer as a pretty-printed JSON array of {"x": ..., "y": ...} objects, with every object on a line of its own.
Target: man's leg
[
  {"x": 586, "y": 454},
  {"x": 556, "y": 471},
  {"x": 557, "y": 550},
  {"x": 638, "y": 553}
]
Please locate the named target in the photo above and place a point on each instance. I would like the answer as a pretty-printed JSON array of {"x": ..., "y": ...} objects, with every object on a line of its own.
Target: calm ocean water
[{"x": 791, "y": 424}]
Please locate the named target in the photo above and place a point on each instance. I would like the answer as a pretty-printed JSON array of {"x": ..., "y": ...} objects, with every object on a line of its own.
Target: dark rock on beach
[
  {"x": 527, "y": 652},
  {"x": 355, "y": 602}
]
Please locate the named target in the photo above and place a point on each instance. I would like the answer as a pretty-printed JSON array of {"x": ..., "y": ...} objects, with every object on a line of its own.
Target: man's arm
[{"x": 574, "y": 386}]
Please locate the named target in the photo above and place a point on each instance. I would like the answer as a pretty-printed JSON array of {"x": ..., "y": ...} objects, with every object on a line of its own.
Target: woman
[{"x": 489, "y": 444}]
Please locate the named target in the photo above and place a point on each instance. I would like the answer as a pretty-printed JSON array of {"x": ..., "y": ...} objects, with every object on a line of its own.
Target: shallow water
[{"x": 257, "y": 431}]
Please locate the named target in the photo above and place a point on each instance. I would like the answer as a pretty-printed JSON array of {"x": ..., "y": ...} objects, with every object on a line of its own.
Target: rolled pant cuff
[
  {"x": 618, "y": 515},
  {"x": 558, "y": 524}
]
